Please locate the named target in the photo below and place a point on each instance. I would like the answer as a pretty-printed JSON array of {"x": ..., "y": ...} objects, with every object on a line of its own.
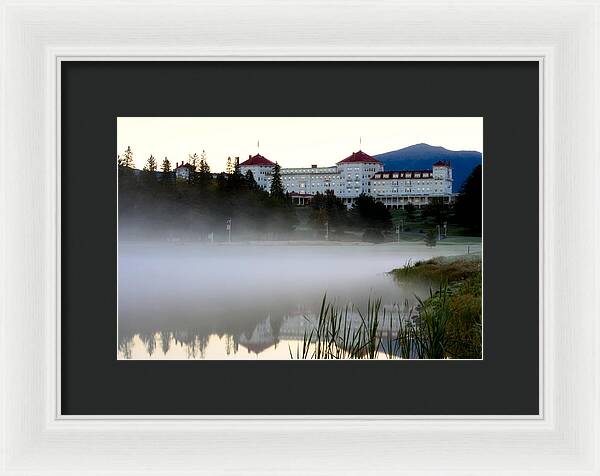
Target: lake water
[{"x": 251, "y": 301}]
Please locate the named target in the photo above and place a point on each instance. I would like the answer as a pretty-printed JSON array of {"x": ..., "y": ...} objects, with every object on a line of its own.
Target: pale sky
[{"x": 291, "y": 141}]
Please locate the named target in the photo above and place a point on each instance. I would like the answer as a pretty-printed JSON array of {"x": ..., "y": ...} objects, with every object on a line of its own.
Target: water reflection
[{"x": 241, "y": 302}]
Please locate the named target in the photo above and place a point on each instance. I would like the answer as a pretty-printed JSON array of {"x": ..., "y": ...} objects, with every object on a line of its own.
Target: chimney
[
  {"x": 314, "y": 166},
  {"x": 249, "y": 156}
]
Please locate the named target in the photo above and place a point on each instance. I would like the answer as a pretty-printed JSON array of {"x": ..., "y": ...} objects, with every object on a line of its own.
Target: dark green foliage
[
  {"x": 434, "y": 316},
  {"x": 431, "y": 237},
  {"x": 457, "y": 304},
  {"x": 277, "y": 189},
  {"x": 367, "y": 213},
  {"x": 166, "y": 165},
  {"x": 467, "y": 209},
  {"x": 329, "y": 209},
  {"x": 436, "y": 212},
  {"x": 373, "y": 235},
  {"x": 409, "y": 211},
  {"x": 249, "y": 176},
  {"x": 150, "y": 164},
  {"x": 451, "y": 269},
  {"x": 152, "y": 206}
]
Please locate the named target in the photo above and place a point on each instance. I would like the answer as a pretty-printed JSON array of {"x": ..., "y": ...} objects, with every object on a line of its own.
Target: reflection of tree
[
  {"x": 125, "y": 346},
  {"x": 229, "y": 345},
  {"x": 149, "y": 340},
  {"x": 165, "y": 341},
  {"x": 196, "y": 347},
  {"x": 192, "y": 325}
]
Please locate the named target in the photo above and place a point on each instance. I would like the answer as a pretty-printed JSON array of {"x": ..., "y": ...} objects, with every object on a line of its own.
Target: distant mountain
[{"x": 423, "y": 156}]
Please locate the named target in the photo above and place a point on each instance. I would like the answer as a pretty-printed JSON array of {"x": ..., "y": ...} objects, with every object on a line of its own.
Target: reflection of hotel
[
  {"x": 261, "y": 339},
  {"x": 356, "y": 174},
  {"x": 296, "y": 326}
]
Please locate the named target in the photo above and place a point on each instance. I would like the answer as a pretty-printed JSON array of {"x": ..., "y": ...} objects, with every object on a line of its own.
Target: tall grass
[
  {"x": 433, "y": 324},
  {"x": 411, "y": 333}
]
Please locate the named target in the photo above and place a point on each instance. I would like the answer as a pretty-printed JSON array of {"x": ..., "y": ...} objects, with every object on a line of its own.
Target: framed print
[
  {"x": 316, "y": 281},
  {"x": 354, "y": 240}
]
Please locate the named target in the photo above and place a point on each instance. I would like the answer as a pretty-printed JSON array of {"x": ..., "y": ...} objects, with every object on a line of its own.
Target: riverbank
[
  {"x": 451, "y": 269},
  {"x": 454, "y": 310}
]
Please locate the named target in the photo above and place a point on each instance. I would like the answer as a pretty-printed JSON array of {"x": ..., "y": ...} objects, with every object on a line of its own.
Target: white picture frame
[{"x": 562, "y": 35}]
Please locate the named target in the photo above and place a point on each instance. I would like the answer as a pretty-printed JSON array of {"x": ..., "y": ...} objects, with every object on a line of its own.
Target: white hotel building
[{"x": 356, "y": 174}]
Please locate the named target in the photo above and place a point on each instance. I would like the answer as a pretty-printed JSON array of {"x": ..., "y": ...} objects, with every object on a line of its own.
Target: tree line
[{"x": 153, "y": 204}]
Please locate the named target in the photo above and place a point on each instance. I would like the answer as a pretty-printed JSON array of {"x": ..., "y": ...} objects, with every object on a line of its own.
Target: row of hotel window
[
  {"x": 328, "y": 184},
  {"x": 404, "y": 175}
]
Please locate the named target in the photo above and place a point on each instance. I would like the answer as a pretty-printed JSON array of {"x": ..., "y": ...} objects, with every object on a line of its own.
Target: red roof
[
  {"x": 359, "y": 156},
  {"x": 187, "y": 166},
  {"x": 257, "y": 160}
]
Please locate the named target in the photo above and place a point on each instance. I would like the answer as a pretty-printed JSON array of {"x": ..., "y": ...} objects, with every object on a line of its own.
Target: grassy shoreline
[
  {"x": 450, "y": 269},
  {"x": 457, "y": 304}
]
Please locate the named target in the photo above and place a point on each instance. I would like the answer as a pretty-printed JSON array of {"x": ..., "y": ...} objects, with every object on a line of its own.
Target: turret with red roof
[
  {"x": 356, "y": 171},
  {"x": 261, "y": 169},
  {"x": 360, "y": 157}
]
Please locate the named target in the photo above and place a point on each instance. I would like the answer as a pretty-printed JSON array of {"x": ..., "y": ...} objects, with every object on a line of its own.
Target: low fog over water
[{"x": 220, "y": 301}]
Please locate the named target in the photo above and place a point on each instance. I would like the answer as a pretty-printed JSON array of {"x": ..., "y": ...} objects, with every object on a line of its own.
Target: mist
[{"x": 187, "y": 293}]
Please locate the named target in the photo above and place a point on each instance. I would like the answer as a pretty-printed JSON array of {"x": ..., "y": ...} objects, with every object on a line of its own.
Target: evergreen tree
[
  {"x": 277, "y": 190},
  {"x": 236, "y": 167},
  {"x": 366, "y": 212},
  {"x": 250, "y": 182},
  {"x": 436, "y": 211},
  {"x": 229, "y": 166},
  {"x": 204, "y": 167},
  {"x": 409, "y": 211},
  {"x": 203, "y": 176},
  {"x": 150, "y": 164},
  {"x": 431, "y": 237},
  {"x": 166, "y": 165},
  {"x": 327, "y": 208},
  {"x": 467, "y": 208},
  {"x": 126, "y": 160},
  {"x": 194, "y": 161}
]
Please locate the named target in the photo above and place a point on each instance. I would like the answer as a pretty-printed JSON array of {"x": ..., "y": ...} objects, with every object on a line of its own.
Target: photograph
[{"x": 299, "y": 238}]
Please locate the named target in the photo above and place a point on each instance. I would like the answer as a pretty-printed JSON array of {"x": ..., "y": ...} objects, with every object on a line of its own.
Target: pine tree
[
  {"x": 166, "y": 165},
  {"x": 229, "y": 166},
  {"x": 276, "y": 183},
  {"x": 127, "y": 159},
  {"x": 250, "y": 180},
  {"x": 150, "y": 164},
  {"x": 236, "y": 167},
  {"x": 194, "y": 161},
  {"x": 467, "y": 208},
  {"x": 431, "y": 237},
  {"x": 409, "y": 211},
  {"x": 204, "y": 167}
]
